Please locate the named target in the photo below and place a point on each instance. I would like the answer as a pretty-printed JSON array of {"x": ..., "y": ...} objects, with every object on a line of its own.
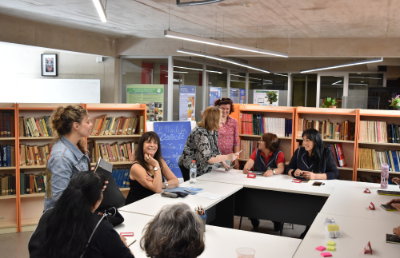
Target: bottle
[
  {"x": 193, "y": 172},
  {"x": 384, "y": 176}
]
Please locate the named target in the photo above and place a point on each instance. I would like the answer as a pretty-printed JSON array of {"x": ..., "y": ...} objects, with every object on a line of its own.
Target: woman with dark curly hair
[{"x": 176, "y": 231}]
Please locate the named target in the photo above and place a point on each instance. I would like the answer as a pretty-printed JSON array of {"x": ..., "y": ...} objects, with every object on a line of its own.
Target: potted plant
[
  {"x": 271, "y": 97},
  {"x": 395, "y": 102},
  {"x": 329, "y": 103}
]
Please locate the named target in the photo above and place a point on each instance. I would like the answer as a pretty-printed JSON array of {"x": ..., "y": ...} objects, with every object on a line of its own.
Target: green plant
[
  {"x": 395, "y": 102},
  {"x": 328, "y": 103},
  {"x": 272, "y": 97}
]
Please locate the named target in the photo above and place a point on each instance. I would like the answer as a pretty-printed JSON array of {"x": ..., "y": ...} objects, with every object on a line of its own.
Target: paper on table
[{"x": 210, "y": 196}]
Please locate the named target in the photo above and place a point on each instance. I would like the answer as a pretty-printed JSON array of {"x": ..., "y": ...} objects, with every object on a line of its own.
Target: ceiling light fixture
[
  {"x": 336, "y": 82},
  {"x": 213, "y": 42},
  {"x": 178, "y": 2},
  {"x": 191, "y": 52},
  {"x": 245, "y": 77},
  {"x": 367, "y": 61},
  {"x": 196, "y": 69},
  {"x": 360, "y": 77},
  {"x": 100, "y": 10},
  {"x": 281, "y": 74}
]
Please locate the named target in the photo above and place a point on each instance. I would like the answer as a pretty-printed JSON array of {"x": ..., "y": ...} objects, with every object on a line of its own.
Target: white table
[
  {"x": 348, "y": 199},
  {"x": 220, "y": 242},
  {"x": 355, "y": 234}
]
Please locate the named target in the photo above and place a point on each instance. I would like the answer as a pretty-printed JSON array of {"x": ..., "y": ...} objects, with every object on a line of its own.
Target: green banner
[{"x": 150, "y": 94}]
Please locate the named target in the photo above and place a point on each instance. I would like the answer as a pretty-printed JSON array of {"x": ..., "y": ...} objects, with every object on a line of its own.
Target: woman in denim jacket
[{"x": 68, "y": 155}]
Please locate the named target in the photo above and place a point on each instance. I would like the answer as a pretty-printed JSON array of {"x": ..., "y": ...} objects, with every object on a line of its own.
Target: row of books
[
  {"x": 7, "y": 156},
  {"x": 34, "y": 155},
  {"x": 121, "y": 177},
  {"x": 247, "y": 147},
  {"x": 256, "y": 124},
  {"x": 114, "y": 152},
  {"x": 117, "y": 125},
  {"x": 338, "y": 154},
  {"x": 35, "y": 127},
  {"x": 7, "y": 184},
  {"x": 7, "y": 125},
  {"x": 32, "y": 183},
  {"x": 379, "y": 131},
  {"x": 328, "y": 130},
  {"x": 373, "y": 159}
]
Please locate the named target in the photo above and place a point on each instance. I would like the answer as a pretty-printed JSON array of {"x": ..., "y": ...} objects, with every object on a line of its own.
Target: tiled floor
[{"x": 15, "y": 245}]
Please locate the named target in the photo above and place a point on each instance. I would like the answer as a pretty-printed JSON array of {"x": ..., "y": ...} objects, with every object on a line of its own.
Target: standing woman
[
  {"x": 228, "y": 133},
  {"x": 68, "y": 155},
  {"x": 202, "y": 145}
]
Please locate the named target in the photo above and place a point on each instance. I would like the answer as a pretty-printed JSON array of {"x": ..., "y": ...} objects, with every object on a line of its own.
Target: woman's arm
[
  {"x": 139, "y": 174},
  {"x": 293, "y": 163},
  {"x": 61, "y": 171},
  {"x": 247, "y": 167},
  {"x": 331, "y": 170},
  {"x": 169, "y": 175}
]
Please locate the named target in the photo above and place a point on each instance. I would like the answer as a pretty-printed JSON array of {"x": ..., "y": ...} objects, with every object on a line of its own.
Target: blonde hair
[
  {"x": 62, "y": 119},
  {"x": 211, "y": 118}
]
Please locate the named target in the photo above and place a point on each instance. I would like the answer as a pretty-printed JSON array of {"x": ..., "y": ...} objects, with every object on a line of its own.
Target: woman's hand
[
  {"x": 151, "y": 161},
  {"x": 268, "y": 173},
  {"x": 105, "y": 186},
  {"x": 396, "y": 231},
  {"x": 393, "y": 201},
  {"x": 396, "y": 206},
  {"x": 225, "y": 166},
  {"x": 297, "y": 172},
  {"x": 309, "y": 175},
  {"x": 232, "y": 156},
  {"x": 396, "y": 180},
  {"x": 123, "y": 239},
  {"x": 246, "y": 170}
]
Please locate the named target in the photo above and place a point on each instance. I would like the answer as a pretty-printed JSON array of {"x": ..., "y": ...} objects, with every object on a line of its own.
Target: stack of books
[
  {"x": 328, "y": 130},
  {"x": 7, "y": 156},
  {"x": 256, "y": 124},
  {"x": 112, "y": 152},
  {"x": 121, "y": 177},
  {"x": 338, "y": 154},
  {"x": 34, "y": 155},
  {"x": 373, "y": 159},
  {"x": 122, "y": 125},
  {"x": 247, "y": 147},
  {"x": 379, "y": 131},
  {"x": 35, "y": 127},
  {"x": 7, "y": 185},
  {"x": 7, "y": 125},
  {"x": 32, "y": 183}
]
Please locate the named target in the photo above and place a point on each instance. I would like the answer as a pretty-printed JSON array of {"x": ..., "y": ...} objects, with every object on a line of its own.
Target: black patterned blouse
[{"x": 201, "y": 145}]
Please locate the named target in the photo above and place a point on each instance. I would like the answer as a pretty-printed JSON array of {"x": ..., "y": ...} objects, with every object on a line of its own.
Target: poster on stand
[
  {"x": 242, "y": 96},
  {"x": 234, "y": 95},
  {"x": 260, "y": 97},
  {"x": 187, "y": 103},
  {"x": 150, "y": 94},
  {"x": 215, "y": 93}
]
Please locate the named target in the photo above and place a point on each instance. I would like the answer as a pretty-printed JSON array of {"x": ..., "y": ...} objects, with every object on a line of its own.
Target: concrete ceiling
[{"x": 229, "y": 19}]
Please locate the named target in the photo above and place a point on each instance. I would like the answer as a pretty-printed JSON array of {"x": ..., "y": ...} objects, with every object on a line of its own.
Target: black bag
[{"x": 112, "y": 215}]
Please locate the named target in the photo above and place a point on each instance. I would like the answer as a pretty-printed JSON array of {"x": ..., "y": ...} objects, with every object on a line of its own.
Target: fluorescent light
[
  {"x": 191, "y": 52},
  {"x": 197, "y": 69},
  {"x": 178, "y": 2},
  {"x": 249, "y": 77},
  {"x": 337, "y": 82},
  {"x": 213, "y": 42},
  {"x": 367, "y": 61},
  {"x": 100, "y": 10},
  {"x": 180, "y": 72},
  {"x": 360, "y": 77}
]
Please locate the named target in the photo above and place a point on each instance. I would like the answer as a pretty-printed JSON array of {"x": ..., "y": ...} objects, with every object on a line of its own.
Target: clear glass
[
  {"x": 217, "y": 77},
  {"x": 272, "y": 81},
  {"x": 245, "y": 252},
  {"x": 304, "y": 91},
  {"x": 366, "y": 91},
  {"x": 331, "y": 87},
  {"x": 238, "y": 85}
]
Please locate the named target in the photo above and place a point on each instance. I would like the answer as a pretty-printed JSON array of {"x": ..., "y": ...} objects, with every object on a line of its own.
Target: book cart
[
  {"x": 286, "y": 143},
  {"x": 335, "y": 115},
  {"x": 21, "y": 212},
  {"x": 9, "y": 204},
  {"x": 388, "y": 116}
]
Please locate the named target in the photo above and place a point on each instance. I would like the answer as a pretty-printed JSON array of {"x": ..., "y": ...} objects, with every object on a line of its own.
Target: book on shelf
[
  {"x": 7, "y": 156},
  {"x": 34, "y": 155},
  {"x": 35, "y": 127},
  {"x": 31, "y": 183},
  {"x": 7, "y": 124},
  {"x": 373, "y": 159},
  {"x": 338, "y": 131},
  {"x": 379, "y": 131},
  {"x": 257, "y": 124},
  {"x": 121, "y": 177},
  {"x": 112, "y": 152},
  {"x": 338, "y": 154},
  {"x": 247, "y": 147},
  {"x": 7, "y": 184},
  {"x": 104, "y": 125}
]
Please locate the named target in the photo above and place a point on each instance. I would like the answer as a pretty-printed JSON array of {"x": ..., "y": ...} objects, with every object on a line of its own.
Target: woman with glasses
[
  {"x": 268, "y": 159},
  {"x": 228, "y": 133},
  {"x": 202, "y": 145}
]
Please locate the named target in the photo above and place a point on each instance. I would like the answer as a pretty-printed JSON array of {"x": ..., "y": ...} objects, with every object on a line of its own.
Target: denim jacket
[{"x": 65, "y": 161}]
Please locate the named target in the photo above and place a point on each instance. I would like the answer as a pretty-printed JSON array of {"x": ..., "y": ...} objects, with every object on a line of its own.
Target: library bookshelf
[
  {"x": 388, "y": 116},
  {"x": 286, "y": 143},
  {"x": 335, "y": 115},
  {"x": 21, "y": 212}
]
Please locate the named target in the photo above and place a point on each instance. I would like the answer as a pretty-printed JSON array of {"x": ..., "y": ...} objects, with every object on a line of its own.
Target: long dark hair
[
  {"x": 318, "y": 154},
  {"x": 148, "y": 136},
  {"x": 72, "y": 221}
]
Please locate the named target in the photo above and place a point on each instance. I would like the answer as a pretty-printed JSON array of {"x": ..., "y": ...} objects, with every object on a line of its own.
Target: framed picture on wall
[{"x": 49, "y": 65}]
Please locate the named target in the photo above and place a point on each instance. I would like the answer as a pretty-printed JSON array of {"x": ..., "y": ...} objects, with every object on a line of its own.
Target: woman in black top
[
  {"x": 148, "y": 170},
  {"x": 313, "y": 160},
  {"x": 70, "y": 229}
]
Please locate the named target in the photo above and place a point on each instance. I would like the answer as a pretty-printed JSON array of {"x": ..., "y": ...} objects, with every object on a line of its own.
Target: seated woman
[
  {"x": 70, "y": 229},
  {"x": 202, "y": 145},
  {"x": 176, "y": 231},
  {"x": 148, "y": 170},
  {"x": 268, "y": 159}
]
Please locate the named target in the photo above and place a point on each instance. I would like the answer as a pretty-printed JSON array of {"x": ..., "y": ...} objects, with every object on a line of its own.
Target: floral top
[
  {"x": 228, "y": 136},
  {"x": 201, "y": 145}
]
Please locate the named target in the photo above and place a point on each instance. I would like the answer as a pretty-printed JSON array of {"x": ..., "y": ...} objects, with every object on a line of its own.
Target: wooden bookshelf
[
  {"x": 4, "y": 197},
  {"x": 7, "y": 138},
  {"x": 377, "y": 171},
  {"x": 37, "y": 138},
  {"x": 7, "y": 168},
  {"x": 330, "y": 140},
  {"x": 117, "y": 163},
  {"x": 114, "y": 136}
]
